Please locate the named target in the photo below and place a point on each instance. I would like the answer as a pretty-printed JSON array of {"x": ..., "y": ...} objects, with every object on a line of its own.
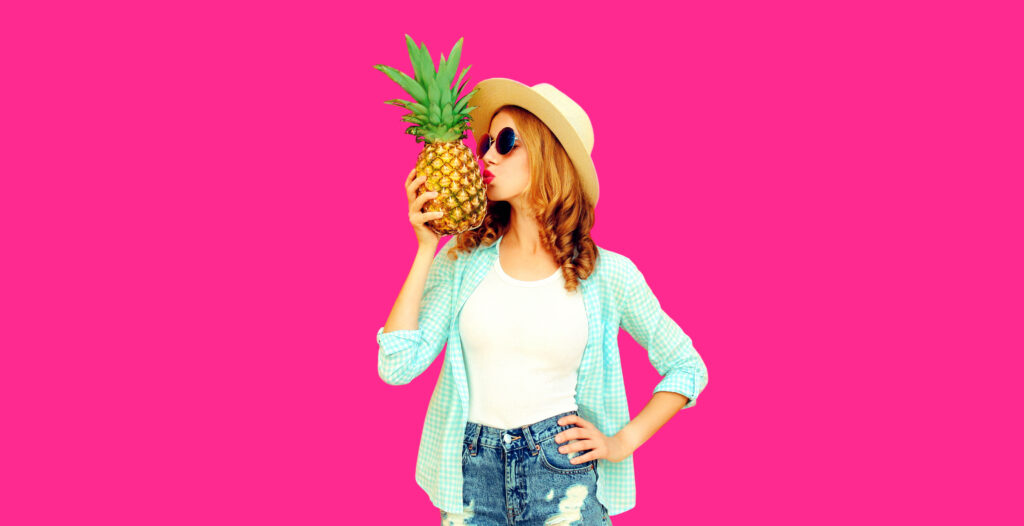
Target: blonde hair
[{"x": 556, "y": 199}]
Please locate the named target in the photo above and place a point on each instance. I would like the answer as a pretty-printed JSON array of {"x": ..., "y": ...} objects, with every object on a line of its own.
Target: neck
[{"x": 523, "y": 233}]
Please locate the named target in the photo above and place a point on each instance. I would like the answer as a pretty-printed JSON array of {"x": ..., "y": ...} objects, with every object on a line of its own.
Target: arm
[
  {"x": 662, "y": 407},
  {"x": 617, "y": 448},
  {"x": 670, "y": 351},
  {"x": 417, "y": 328}
]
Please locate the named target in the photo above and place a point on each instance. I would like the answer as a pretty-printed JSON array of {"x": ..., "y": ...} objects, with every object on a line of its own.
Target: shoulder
[
  {"x": 616, "y": 269},
  {"x": 449, "y": 245},
  {"x": 456, "y": 258}
]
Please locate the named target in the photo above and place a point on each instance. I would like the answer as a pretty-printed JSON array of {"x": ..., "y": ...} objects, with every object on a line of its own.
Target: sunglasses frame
[{"x": 481, "y": 152}]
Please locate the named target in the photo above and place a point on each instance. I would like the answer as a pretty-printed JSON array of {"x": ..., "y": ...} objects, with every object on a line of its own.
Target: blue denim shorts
[{"x": 517, "y": 477}]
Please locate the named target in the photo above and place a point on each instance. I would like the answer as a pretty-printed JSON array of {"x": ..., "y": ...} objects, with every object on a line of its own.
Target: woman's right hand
[{"x": 417, "y": 217}]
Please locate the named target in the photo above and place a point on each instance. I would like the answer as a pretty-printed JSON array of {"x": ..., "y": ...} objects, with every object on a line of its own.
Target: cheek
[{"x": 523, "y": 166}]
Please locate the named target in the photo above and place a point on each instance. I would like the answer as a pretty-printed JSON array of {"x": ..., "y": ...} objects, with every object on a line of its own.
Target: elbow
[
  {"x": 702, "y": 375},
  {"x": 686, "y": 381},
  {"x": 699, "y": 382},
  {"x": 393, "y": 379},
  {"x": 391, "y": 373},
  {"x": 393, "y": 353}
]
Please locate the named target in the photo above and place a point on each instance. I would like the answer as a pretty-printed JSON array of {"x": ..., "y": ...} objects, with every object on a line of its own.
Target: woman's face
[{"x": 511, "y": 171}]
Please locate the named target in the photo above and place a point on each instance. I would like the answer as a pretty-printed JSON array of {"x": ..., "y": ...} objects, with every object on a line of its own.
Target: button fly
[{"x": 508, "y": 439}]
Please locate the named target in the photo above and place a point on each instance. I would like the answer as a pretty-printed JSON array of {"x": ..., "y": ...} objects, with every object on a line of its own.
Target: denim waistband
[{"x": 524, "y": 437}]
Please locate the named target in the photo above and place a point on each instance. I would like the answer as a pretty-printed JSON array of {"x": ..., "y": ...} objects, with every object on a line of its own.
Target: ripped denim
[{"x": 517, "y": 477}]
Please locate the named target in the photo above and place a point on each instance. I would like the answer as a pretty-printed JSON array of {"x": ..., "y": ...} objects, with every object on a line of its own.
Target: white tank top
[{"x": 523, "y": 343}]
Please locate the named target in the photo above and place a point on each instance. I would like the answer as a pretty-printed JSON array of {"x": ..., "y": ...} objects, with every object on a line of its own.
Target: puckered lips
[{"x": 488, "y": 177}]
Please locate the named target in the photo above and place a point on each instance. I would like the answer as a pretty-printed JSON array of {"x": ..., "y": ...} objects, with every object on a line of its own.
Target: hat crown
[{"x": 573, "y": 112}]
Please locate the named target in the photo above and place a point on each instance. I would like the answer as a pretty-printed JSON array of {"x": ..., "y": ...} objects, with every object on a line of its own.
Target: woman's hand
[
  {"x": 590, "y": 437},
  {"x": 417, "y": 217}
]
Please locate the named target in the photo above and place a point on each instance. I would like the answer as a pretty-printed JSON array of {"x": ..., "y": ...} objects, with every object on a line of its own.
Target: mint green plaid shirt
[{"x": 615, "y": 295}]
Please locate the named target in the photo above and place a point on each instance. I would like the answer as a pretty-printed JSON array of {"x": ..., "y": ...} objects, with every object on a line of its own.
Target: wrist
[{"x": 626, "y": 440}]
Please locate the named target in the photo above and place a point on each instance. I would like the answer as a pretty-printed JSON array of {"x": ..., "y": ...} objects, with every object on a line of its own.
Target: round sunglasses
[{"x": 506, "y": 141}]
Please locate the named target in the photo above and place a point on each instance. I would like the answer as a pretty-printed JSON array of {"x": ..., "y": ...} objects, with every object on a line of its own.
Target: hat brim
[{"x": 493, "y": 93}]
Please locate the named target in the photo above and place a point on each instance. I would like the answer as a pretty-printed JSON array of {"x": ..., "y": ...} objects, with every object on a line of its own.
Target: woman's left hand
[{"x": 589, "y": 437}]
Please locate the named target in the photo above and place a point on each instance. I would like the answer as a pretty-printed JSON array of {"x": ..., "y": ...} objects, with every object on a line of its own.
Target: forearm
[
  {"x": 405, "y": 312},
  {"x": 659, "y": 410}
]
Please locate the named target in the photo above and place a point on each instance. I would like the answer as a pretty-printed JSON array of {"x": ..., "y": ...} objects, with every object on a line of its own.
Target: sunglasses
[{"x": 506, "y": 141}]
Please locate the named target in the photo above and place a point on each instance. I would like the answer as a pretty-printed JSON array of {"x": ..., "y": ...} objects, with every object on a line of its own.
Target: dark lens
[
  {"x": 506, "y": 140},
  {"x": 483, "y": 146}
]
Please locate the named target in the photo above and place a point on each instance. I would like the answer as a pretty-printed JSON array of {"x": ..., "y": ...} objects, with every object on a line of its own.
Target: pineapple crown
[{"x": 436, "y": 111}]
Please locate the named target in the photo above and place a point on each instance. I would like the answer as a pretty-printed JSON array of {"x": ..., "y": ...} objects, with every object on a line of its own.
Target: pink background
[{"x": 203, "y": 226}]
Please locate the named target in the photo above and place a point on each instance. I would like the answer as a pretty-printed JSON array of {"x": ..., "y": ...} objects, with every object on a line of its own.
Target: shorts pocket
[{"x": 559, "y": 462}]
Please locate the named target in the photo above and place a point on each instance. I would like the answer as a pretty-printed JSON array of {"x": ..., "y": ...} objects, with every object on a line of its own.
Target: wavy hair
[{"x": 556, "y": 199}]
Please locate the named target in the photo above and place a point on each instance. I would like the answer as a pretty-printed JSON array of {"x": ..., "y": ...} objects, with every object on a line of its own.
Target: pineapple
[{"x": 440, "y": 120}]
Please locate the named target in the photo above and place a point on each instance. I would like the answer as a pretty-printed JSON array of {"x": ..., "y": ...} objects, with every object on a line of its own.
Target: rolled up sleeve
[
  {"x": 404, "y": 354},
  {"x": 669, "y": 349}
]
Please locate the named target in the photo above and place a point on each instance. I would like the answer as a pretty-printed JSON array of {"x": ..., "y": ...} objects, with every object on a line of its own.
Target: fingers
[
  {"x": 593, "y": 454},
  {"x": 569, "y": 434},
  {"x": 411, "y": 190},
  {"x": 592, "y": 448},
  {"x": 422, "y": 217},
  {"x": 416, "y": 215},
  {"x": 575, "y": 419},
  {"x": 420, "y": 201},
  {"x": 412, "y": 183}
]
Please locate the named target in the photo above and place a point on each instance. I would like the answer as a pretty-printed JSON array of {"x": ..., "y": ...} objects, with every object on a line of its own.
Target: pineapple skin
[{"x": 451, "y": 170}]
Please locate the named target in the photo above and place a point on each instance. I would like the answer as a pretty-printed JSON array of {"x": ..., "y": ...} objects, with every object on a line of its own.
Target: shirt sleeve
[
  {"x": 404, "y": 354},
  {"x": 669, "y": 349}
]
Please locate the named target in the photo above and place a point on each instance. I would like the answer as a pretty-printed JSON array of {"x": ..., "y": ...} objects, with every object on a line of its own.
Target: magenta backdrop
[{"x": 203, "y": 226}]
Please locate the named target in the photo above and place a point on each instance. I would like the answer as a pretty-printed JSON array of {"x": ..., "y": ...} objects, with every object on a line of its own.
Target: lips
[{"x": 488, "y": 177}]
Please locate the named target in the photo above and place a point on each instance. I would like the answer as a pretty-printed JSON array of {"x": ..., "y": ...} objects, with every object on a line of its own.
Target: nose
[{"x": 490, "y": 157}]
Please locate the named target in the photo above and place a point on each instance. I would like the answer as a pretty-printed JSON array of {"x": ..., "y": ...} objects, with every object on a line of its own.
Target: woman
[{"x": 529, "y": 423}]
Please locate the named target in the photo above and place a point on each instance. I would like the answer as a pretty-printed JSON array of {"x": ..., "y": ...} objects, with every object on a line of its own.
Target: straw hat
[{"x": 562, "y": 115}]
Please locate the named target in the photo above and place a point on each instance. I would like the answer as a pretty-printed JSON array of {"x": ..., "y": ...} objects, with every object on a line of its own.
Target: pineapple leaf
[
  {"x": 446, "y": 96},
  {"x": 463, "y": 74},
  {"x": 465, "y": 99},
  {"x": 441, "y": 68},
  {"x": 461, "y": 104},
  {"x": 430, "y": 75},
  {"x": 412, "y": 117},
  {"x": 446, "y": 113},
  {"x": 453, "y": 60},
  {"x": 430, "y": 87},
  {"x": 418, "y": 108},
  {"x": 470, "y": 94},
  {"x": 408, "y": 84},
  {"x": 417, "y": 64},
  {"x": 443, "y": 80},
  {"x": 426, "y": 60},
  {"x": 397, "y": 102},
  {"x": 434, "y": 95},
  {"x": 412, "y": 129}
]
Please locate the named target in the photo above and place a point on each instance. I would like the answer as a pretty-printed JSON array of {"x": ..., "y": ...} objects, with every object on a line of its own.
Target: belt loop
[
  {"x": 528, "y": 433},
  {"x": 475, "y": 445}
]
